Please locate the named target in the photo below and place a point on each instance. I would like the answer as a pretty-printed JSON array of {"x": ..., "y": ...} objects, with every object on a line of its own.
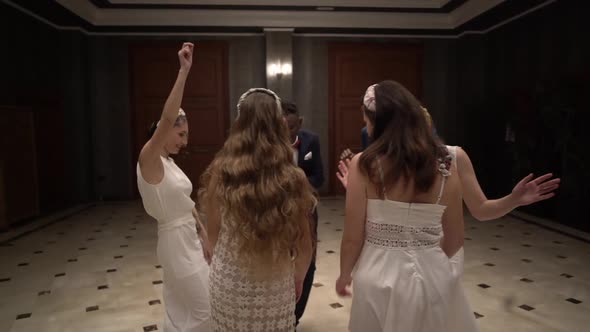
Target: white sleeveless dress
[
  {"x": 186, "y": 273},
  {"x": 403, "y": 281}
]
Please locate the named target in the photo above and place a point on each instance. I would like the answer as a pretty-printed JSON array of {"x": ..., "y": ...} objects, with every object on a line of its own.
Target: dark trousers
[{"x": 308, "y": 281}]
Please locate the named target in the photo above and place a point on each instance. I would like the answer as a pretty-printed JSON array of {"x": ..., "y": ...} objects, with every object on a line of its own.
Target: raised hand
[
  {"x": 342, "y": 173},
  {"x": 529, "y": 191},
  {"x": 185, "y": 56},
  {"x": 346, "y": 154}
]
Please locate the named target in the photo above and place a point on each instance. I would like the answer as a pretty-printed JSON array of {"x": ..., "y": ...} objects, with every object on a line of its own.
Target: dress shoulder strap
[{"x": 444, "y": 167}]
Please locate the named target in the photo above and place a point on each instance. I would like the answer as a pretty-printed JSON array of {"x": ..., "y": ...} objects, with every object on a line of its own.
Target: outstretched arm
[{"x": 527, "y": 191}]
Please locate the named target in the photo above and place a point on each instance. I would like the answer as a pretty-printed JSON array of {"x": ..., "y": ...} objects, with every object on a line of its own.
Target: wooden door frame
[
  {"x": 131, "y": 47},
  {"x": 332, "y": 49}
]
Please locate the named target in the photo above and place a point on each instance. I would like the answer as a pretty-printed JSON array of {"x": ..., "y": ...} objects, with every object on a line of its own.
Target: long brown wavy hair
[
  {"x": 403, "y": 136},
  {"x": 263, "y": 195}
]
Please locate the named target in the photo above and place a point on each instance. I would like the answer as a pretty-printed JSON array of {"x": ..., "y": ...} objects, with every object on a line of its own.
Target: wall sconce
[{"x": 278, "y": 70}]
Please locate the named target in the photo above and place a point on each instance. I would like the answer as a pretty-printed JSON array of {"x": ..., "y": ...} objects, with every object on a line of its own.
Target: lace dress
[
  {"x": 403, "y": 281},
  {"x": 241, "y": 304}
]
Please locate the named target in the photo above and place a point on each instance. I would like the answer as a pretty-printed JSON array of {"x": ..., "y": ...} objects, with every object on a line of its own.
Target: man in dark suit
[{"x": 306, "y": 153}]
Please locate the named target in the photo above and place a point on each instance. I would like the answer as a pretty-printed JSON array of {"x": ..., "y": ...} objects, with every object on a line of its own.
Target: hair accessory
[{"x": 369, "y": 99}]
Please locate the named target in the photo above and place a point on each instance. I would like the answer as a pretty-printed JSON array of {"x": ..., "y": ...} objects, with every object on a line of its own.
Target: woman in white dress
[
  {"x": 402, "y": 194},
  {"x": 258, "y": 205},
  {"x": 527, "y": 191},
  {"x": 183, "y": 248}
]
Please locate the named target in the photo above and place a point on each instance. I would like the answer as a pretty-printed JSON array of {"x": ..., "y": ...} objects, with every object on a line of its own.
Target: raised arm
[
  {"x": 151, "y": 151},
  {"x": 527, "y": 191}
]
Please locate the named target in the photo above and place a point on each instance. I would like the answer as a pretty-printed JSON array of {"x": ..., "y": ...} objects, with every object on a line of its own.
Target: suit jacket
[{"x": 310, "y": 146}]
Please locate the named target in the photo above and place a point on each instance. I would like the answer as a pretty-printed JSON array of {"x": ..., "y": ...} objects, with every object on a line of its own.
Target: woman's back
[{"x": 403, "y": 279}]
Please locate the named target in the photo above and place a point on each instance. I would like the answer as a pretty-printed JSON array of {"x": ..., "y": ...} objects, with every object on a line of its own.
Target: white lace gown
[
  {"x": 186, "y": 273},
  {"x": 403, "y": 281},
  {"x": 239, "y": 304}
]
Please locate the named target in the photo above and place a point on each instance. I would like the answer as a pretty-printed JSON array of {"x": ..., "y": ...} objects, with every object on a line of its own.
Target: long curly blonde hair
[{"x": 263, "y": 195}]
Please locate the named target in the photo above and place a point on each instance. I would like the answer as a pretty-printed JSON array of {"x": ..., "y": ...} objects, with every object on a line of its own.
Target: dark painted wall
[{"x": 533, "y": 75}]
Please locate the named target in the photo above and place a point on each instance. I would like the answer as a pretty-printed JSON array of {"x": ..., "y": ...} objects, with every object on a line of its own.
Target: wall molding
[{"x": 431, "y": 26}]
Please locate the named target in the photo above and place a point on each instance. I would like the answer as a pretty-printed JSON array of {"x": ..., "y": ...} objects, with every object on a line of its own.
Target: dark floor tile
[
  {"x": 124, "y": 246},
  {"x": 567, "y": 275},
  {"x": 526, "y": 307},
  {"x": 82, "y": 249},
  {"x": 334, "y": 209},
  {"x": 111, "y": 270},
  {"x": 561, "y": 256},
  {"x": 336, "y": 305},
  {"x": 317, "y": 284},
  {"x": 498, "y": 236},
  {"x": 118, "y": 257},
  {"x": 500, "y": 226},
  {"x": 23, "y": 264},
  {"x": 527, "y": 280},
  {"x": 477, "y": 315},
  {"x": 132, "y": 228},
  {"x": 338, "y": 229},
  {"x": 526, "y": 233},
  {"x": 4, "y": 279},
  {"x": 574, "y": 301},
  {"x": 157, "y": 282},
  {"x": 129, "y": 237},
  {"x": 473, "y": 227},
  {"x": 484, "y": 286},
  {"x": 97, "y": 231},
  {"x": 45, "y": 292},
  {"x": 494, "y": 248},
  {"x": 490, "y": 264},
  {"x": 61, "y": 233},
  {"x": 72, "y": 260},
  {"x": 60, "y": 275},
  {"x": 23, "y": 316},
  {"x": 93, "y": 308},
  {"x": 526, "y": 245},
  {"x": 38, "y": 252},
  {"x": 101, "y": 287},
  {"x": 6, "y": 244},
  {"x": 557, "y": 242},
  {"x": 154, "y": 302},
  {"x": 526, "y": 260},
  {"x": 50, "y": 242},
  {"x": 158, "y": 266},
  {"x": 330, "y": 252},
  {"x": 90, "y": 239},
  {"x": 150, "y": 328},
  {"x": 468, "y": 239},
  {"x": 327, "y": 223}
]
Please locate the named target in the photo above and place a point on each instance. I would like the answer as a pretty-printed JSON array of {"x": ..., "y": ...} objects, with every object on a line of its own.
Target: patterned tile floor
[{"x": 97, "y": 271}]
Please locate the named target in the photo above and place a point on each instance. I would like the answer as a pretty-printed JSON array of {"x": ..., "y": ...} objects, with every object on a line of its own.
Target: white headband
[
  {"x": 263, "y": 90},
  {"x": 180, "y": 113},
  {"x": 369, "y": 99}
]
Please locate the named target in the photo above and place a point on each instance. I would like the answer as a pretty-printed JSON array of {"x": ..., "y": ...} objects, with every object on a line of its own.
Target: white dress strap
[{"x": 445, "y": 169}]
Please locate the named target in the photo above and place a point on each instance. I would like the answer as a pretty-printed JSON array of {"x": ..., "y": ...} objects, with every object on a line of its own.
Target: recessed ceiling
[{"x": 447, "y": 18}]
